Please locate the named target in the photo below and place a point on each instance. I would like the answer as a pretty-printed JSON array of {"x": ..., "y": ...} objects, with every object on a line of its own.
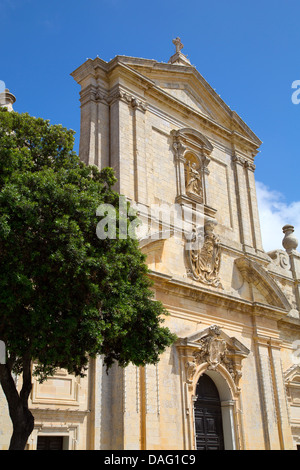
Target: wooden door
[
  {"x": 50, "y": 443},
  {"x": 208, "y": 417}
]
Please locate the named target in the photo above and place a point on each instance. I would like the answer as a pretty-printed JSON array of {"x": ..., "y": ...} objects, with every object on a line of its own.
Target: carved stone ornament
[
  {"x": 280, "y": 258},
  {"x": 204, "y": 255},
  {"x": 127, "y": 98},
  {"x": 190, "y": 371},
  {"x": 214, "y": 350}
]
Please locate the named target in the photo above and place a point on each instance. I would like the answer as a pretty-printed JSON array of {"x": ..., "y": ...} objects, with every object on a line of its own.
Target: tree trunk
[
  {"x": 22, "y": 419},
  {"x": 23, "y": 424}
]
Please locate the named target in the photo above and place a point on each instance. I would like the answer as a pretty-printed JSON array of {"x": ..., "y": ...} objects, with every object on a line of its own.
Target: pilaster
[
  {"x": 274, "y": 410},
  {"x": 139, "y": 151},
  {"x": 94, "y": 127},
  {"x": 253, "y": 207},
  {"x": 242, "y": 203}
]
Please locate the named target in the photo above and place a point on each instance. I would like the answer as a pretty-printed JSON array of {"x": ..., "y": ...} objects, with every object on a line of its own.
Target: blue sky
[{"x": 247, "y": 50}]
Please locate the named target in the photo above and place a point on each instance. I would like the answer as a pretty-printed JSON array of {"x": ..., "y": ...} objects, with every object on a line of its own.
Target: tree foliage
[{"x": 65, "y": 295}]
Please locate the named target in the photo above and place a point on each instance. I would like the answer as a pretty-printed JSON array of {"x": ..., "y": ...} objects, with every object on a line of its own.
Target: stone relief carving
[
  {"x": 190, "y": 371},
  {"x": 207, "y": 350},
  {"x": 204, "y": 255},
  {"x": 215, "y": 351},
  {"x": 212, "y": 348},
  {"x": 280, "y": 258}
]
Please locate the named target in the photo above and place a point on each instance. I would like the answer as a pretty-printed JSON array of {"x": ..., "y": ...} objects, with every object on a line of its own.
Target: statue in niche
[
  {"x": 193, "y": 183},
  {"x": 204, "y": 255}
]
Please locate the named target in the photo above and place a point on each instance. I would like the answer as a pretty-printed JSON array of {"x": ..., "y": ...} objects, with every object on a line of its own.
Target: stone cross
[{"x": 178, "y": 44}]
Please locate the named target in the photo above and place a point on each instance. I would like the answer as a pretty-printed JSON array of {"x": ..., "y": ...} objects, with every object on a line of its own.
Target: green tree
[{"x": 65, "y": 295}]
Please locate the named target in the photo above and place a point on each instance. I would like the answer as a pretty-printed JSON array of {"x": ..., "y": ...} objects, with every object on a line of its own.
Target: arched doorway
[{"x": 208, "y": 416}]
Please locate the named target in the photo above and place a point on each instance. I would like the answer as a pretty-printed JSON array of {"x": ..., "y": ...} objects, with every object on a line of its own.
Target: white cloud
[{"x": 274, "y": 213}]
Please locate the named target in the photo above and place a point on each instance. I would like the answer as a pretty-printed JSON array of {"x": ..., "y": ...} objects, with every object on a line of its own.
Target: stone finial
[
  {"x": 7, "y": 100},
  {"x": 289, "y": 241}
]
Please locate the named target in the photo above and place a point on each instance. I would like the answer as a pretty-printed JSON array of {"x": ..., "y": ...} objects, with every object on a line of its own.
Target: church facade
[{"x": 186, "y": 162}]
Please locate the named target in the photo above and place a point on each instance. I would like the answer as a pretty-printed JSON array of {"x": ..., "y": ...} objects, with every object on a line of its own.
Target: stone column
[{"x": 228, "y": 424}]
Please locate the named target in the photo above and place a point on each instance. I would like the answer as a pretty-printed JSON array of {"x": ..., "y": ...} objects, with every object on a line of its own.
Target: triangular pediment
[
  {"x": 187, "y": 95},
  {"x": 180, "y": 84},
  {"x": 186, "y": 85},
  {"x": 263, "y": 282}
]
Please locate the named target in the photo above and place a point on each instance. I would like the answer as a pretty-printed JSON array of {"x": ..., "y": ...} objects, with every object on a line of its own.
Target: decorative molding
[
  {"x": 46, "y": 392},
  {"x": 192, "y": 138},
  {"x": 197, "y": 292}
]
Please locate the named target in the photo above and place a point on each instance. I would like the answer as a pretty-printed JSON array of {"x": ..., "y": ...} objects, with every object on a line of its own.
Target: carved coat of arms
[
  {"x": 214, "y": 350},
  {"x": 204, "y": 255}
]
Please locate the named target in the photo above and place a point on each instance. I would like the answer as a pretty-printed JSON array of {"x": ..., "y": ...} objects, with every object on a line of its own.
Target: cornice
[
  {"x": 180, "y": 288},
  {"x": 217, "y": 298}
]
